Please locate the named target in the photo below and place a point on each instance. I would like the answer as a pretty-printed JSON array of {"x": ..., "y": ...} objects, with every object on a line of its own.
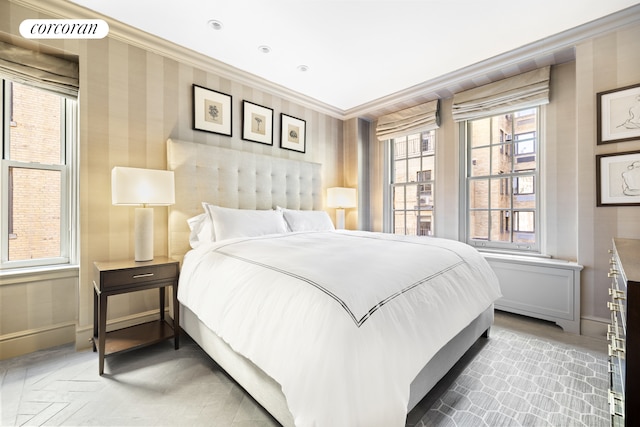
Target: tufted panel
[{"x": 234, "y": 179}]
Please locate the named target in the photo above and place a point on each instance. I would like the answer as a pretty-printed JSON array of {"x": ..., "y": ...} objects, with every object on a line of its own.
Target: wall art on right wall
[
  {"x": 619, "y": 114},
  {"x": 618, "y": 179}
]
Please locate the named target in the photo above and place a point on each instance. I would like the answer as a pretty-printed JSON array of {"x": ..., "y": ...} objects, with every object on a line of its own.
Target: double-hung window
[
  {"x": 502, "y": 175},
  {"x": 412, "y": 183},
  {"x": 38, "y": 134}
]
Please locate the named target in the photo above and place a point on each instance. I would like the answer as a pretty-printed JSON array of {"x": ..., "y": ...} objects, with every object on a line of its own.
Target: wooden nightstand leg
[
  {"x": 102, "y": 331},
  {"x": 176, "y": 316},
  {"x": 95, "y": 319},
  {"x": 162, "y": 305}
]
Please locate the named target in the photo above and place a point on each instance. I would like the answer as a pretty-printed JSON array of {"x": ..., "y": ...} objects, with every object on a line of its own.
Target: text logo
[{"x": 64, "y": 29}]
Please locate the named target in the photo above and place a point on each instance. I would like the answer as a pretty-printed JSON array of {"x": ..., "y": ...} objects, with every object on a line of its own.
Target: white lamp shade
[
  {"x": 341, "y": 197},
  {"x": 136, "y": 186}
]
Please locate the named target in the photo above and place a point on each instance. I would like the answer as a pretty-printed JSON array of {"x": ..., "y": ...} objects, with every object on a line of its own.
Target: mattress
[{"x": 344, "y": 321}]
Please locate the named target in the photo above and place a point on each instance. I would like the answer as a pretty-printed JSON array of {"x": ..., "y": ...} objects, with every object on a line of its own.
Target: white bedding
[{"x": 342, "y": 320}]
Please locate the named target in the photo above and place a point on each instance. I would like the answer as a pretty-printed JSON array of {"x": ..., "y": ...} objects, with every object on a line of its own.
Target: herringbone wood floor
[{"x": 158, "y": 386}]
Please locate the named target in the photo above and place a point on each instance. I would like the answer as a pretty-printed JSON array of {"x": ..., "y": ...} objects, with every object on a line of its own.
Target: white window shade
[
  {"x": 419, "y": 118},
  {"x": 514, "y": 93},
  {"x": 39, "y": 70}
]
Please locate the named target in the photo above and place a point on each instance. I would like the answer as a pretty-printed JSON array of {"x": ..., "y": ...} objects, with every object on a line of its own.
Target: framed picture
[
  {"x": 257, "y": 123},
  {"x": 211, "y": 111},
  {"x": 619, "y": 114},
  {"x": 618, "y": 179},
  {"x": 293, "y": 133}
]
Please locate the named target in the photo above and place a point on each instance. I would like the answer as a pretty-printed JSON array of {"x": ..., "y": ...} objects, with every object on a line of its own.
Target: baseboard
[
  {"x": 594, "y": 326},
  {"x": 24, "y": 342}
]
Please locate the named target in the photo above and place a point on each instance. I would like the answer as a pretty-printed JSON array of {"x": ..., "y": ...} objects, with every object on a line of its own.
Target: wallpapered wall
[{"x": 131, "y": 101}]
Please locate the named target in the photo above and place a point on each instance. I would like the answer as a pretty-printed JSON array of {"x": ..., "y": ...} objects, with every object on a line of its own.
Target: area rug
[{"x": 520, "y": 380}]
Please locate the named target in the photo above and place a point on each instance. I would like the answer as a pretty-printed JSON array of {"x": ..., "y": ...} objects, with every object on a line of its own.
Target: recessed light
[
  {"x": 303, "y": 68},
  {"x": 215, "y": 24},
  {"x": 264, "y": 49}
]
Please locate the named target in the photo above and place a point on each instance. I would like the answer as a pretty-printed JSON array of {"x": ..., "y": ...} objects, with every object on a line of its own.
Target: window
[
  {"x": 501, "y": 175},
  {"x": 412, "y": 183},
  {"x": 38, "y": 134}
]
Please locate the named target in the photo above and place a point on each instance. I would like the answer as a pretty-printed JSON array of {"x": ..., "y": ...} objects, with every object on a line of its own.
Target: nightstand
[{"x": 120, "y": 277}]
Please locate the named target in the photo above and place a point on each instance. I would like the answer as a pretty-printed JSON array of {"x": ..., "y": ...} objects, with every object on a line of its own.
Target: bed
[{"x": 289, "y": 308}]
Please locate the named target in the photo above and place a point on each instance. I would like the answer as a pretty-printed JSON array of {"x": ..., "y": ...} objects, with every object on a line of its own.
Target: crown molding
[
  {"x": 138, "y": 38},
  {"x": 424, "y": 91},
  {"x": 558, "y": 42}
]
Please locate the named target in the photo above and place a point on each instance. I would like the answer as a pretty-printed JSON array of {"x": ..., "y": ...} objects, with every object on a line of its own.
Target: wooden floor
[{"x": 159, "y": 386}]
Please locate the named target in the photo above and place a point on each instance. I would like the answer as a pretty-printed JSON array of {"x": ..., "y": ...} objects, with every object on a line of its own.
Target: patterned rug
[{"x": 520, "y": 380}]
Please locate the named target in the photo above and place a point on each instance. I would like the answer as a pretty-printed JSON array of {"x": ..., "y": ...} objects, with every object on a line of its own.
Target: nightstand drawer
[{"x": 132, "y": 276}]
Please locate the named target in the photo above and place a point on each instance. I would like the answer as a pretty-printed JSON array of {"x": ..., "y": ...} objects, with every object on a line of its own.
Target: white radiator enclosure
[{"x": 543, "y": 288}]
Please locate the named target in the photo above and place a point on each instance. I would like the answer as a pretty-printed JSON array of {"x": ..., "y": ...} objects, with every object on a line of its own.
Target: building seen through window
[
  {"x": 412, "y": 183},
  {"x": 502, "y": 171},
  {"x": 35, "y": 176}
]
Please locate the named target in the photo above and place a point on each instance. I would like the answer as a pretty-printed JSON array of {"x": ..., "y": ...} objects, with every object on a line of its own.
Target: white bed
[{"x": 364, "y": 373}]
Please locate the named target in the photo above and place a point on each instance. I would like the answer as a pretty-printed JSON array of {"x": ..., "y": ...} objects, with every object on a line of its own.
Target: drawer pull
[
  {"x": 615, "y": 404},
  {"x": 615, "y": 351},
  {"x": 140, "y": 276},
  {"x": 616, "y": 294}
]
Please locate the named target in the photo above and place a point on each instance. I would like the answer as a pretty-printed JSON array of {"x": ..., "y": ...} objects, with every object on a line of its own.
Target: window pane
[
  {"x": 500, "y": 225},
  {"x": 501, "y": 176},
  {"x": 413, "y": 183},
  {"x": 479, "y": 225},
  {"x": 412, "y": 196},
  {"x": 35, "y": 131},
  {"x": 480, "y": 161},
  {"x": 414, "y": 169},
  {"x": 480, "y": 132},
  {"x": 400, "y": 148},
  {"x": 501, "y": 193},
  {"x": 479, "y": 194},
  {"x": 400, "y": 171},
  {"x": 35, "y": 207},
  {"x": 414, "y": 145},
  {"x": 398, "y": 198},
  {"x": 398, "y": 223}
]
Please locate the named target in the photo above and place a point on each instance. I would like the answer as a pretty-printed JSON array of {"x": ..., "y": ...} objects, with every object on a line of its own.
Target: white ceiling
[{"x": 357, "y": 51}]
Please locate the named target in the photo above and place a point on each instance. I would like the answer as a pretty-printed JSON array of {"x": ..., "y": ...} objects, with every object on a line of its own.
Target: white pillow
[
  {"x": 230, "y": 223},
  {"x": 307, "y": 220},
  {"x": 201, "y": 229}
]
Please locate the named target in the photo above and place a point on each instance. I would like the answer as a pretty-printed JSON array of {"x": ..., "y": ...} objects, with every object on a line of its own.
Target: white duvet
[{"x": 342, "y": 320}]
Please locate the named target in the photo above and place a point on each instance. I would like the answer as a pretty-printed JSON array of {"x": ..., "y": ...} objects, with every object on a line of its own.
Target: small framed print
[
  {"x": 257, "y": 123},
  {"x": 211, "y": 111},
  {"x": 293, "y": 133},
  {"x": 619, "y": 115},
  {"x": 618, "y": 179}
]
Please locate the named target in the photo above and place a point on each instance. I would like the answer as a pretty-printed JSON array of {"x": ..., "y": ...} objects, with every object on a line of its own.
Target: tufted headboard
[{"x": 234, "y": 179}]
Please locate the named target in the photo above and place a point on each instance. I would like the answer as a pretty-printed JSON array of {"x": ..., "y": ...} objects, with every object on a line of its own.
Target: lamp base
[
  {"x": 340, "y": 219},
  {"x": 144, "y": 234}
]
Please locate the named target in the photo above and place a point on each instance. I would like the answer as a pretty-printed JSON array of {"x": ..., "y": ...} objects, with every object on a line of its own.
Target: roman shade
[
  {"x": 419, "y": 118},
  {"x": 39, "y": 69},
  {"x": 514, "y": 93}
]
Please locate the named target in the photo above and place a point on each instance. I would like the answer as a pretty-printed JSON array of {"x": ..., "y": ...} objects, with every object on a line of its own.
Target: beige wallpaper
[{"x": 131, "y": 101}]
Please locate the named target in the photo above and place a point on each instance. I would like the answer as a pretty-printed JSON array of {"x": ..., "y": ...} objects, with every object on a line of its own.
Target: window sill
[
  {"x": 31, "y": 274},
  {"x": 530, "y": 259}
]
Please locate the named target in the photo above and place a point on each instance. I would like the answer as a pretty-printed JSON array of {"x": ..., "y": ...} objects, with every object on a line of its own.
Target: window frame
[
  {"x": 68, "y": 182},
  {"x": 512, "y": 177},
  {"x": 390, "y": 186}
]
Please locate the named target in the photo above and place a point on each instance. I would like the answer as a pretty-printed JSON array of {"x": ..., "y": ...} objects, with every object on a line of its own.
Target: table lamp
[
  {"x": 142, "y": 187},
  {"x": 341, "y": 198}
]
